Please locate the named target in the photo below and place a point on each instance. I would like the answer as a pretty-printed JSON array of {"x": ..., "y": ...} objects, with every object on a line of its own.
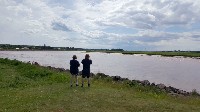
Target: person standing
[
  {"x": 74, "y": 64},
  {"x": 86, "y": 69}
]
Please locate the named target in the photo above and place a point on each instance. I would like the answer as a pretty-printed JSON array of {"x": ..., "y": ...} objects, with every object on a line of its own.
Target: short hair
[
  {"x": 87, "y": 56},
  {"x": 74, "y": 57}
]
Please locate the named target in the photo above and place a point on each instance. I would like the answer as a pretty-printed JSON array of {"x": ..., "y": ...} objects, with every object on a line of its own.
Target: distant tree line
[
  {"x": 31, "y": 47},
  {"x": 44, "y": 47}
]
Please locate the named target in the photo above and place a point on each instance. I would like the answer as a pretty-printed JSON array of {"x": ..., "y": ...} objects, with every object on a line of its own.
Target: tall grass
[{"x": 26, "y": 75}]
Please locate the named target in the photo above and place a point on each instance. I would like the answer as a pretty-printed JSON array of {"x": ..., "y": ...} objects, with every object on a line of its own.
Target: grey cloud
[
  {"x": 60, "y": 26},
  {"x": 196, "y": 36},
  {"x": 153, "y": 36}
]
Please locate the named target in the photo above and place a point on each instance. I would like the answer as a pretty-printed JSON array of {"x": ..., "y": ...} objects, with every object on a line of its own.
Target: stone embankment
[{"x": 170, "y": 90}]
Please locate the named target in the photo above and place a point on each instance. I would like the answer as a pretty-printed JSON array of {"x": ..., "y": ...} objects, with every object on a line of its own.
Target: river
[{"x": 182, "y": 73}]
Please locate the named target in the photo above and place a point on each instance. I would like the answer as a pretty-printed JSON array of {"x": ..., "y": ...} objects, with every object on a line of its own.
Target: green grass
[
  {"x": 169, "y": 54},
  {"x": 25, "y": 87}
]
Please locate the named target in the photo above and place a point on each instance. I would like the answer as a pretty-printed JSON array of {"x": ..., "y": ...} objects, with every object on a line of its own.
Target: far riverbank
[{"x": 191, "y": 54}]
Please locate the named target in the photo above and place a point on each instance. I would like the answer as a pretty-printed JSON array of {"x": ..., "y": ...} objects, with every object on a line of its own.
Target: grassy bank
[
  {"x": 26, "y": 87},
  {"x": 162, "y": 53},
  {"x": 169, "y": 54}
]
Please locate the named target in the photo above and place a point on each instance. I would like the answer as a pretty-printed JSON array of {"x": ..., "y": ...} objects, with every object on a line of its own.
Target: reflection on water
[{"x": 182, "y": 73}]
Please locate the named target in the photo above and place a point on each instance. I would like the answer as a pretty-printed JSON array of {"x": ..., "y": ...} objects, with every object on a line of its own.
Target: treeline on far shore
[
  {"x": 9, "y": 47},
  {"x": 169, "y": 53}
]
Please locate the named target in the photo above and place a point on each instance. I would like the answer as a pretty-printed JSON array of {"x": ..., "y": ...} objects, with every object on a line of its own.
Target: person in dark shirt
[
  {"x": 74, "y": 64},
  {"x": 86, "y": 69}
]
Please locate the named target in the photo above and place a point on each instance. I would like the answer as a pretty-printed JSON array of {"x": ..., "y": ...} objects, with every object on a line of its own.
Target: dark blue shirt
[
  {"x": 74, "y": 64},
  {"x": 86, "y": 66}
]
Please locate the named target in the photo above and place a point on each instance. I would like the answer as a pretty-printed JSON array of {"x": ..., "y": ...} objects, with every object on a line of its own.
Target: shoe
[
  {"x": 88, "y": 85},
  {"x": 71, "y": 86},
  {"x": 82, "y": 85},
  {"x": 76, "y": 84}
]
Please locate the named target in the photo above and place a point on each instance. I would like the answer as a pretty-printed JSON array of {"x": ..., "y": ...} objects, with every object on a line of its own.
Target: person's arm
[
  {"x": 78, "y": 64},
  {"x": 82, "y": 61}
]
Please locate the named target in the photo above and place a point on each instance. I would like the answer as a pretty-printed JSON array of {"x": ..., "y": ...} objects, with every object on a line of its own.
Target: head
[
  {"x": 87, "y": 56},
  {"x": 74, "y": 57}
]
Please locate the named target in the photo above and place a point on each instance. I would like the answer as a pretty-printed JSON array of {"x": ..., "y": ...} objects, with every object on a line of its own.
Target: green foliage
[
  {"x": 36, "y": 73},
  {"x": 59, "y": 78},
  {"x": 195, "y": 93},
  {"x": 10, "y": 62},
  {"x": 150, "y": 89},
  {"x": 169, "y": 54},
  {"x": 25, "y": 75},
  {"x": 104, "y": 78}
]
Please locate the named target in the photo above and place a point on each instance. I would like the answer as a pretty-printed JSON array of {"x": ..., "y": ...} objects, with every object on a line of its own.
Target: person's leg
[
  {"x": 82, "y": 81},
  {"x": 76, "y": 76},
  {"x": 88, "y": 81},
  {"x": 71, "y": 81}
]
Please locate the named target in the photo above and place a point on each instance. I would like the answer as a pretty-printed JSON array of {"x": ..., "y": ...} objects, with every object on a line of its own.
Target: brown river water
[{"x": 182, "y": 73}]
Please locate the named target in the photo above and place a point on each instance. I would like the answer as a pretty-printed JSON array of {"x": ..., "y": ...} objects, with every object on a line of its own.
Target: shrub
[{"x": 195, "y": 93}]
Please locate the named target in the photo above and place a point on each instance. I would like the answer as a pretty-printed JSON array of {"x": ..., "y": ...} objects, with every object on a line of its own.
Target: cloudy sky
[{"x": 127, "y": 24}]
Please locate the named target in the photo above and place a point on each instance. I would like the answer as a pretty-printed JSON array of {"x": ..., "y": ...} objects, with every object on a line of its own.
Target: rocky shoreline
[{"x": 168, "y": 89}]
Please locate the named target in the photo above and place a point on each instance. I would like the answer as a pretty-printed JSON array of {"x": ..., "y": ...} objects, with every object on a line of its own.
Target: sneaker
[
  {"x": 88, "y": 85},
  {"x": 82, "y": 85},
  {"x": 76, "y": 84},
  {"x": 71, "y": 86}
]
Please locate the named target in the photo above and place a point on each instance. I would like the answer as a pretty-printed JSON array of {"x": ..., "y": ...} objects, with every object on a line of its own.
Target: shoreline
[{"x": 146, "y": 83}]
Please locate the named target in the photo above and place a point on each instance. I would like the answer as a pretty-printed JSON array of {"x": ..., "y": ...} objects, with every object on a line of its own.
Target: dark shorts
[
  {"x": 84, "y": 75},
  {"x": 74, "y": 72}
]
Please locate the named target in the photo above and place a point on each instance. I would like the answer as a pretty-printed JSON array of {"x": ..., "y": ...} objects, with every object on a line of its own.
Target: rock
[
  {"x": 67, "y": 70},
  {"x": 53, "y": 68},
  {"x": 124, "y": 79},
  {"x": 49, "y": 67},
  {"x": 168, "y": 89},
  {"x": 137, "y": 81},
  {"x": 36, "y": 63},
  {"x": 153, "y": 84},
  {"x": 116, "y": 78},
  {"x": 61, "y": 69},
  {"x": 101, "y": 75},
  {"x": 161, "y": 86},
  {"x": 176, "y": 90},
  {"x": 92, "y": 74},
  {"x": 172, "y": 88},
  {"x": 182, "y": 92},
  {"x": 145, "y": 83},
  {"x": 174, "y": 94}
]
